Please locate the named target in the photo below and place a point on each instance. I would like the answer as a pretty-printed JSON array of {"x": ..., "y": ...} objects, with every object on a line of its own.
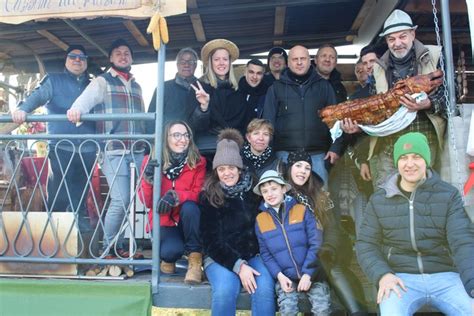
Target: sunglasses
[{"x": 73, "y": 56}]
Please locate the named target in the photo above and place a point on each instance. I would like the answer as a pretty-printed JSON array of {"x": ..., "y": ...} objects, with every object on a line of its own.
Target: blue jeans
[
  {"x": 116, "y": 169},
  {"x": 184, "y": 238},
  {"x": 317, "y": 161},
  {"x": 226, "y": 286},
  {"x": 444, "y": 291}
]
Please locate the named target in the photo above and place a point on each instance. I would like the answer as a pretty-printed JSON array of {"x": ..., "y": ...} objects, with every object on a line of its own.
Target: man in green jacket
[{"x": 416, "y": 239}]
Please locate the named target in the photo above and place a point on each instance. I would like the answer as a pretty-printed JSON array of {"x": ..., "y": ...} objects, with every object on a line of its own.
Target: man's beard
[{"x": 400, "y": 54}]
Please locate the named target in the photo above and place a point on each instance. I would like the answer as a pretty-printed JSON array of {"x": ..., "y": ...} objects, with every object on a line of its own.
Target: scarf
[
  {"x": 300, "y": 79},
  {"x": 259, "y": 90},
  {"x": 177, "y": 163},
  {"x": 401, "y": 68},
  {"x": 223, "y": 84},
  {"x": 257, "y": 161},
  {"x": 237, "y": 190},
  {"x": 303, "y": 199},
  {"x": 185, "y": 83},
  {"x": 123, "y": 72}
]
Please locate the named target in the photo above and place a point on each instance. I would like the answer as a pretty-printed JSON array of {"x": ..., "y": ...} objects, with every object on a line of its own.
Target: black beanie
[
  {"x": 277, "y": 50},
  {"x": 300, "y": 155},
  {"x": 117, "y": 43},
  {"x": 78, "y": 47}
]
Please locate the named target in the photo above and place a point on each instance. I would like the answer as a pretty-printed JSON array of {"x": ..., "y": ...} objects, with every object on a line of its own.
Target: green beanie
[{"x": 412, "y": 143}]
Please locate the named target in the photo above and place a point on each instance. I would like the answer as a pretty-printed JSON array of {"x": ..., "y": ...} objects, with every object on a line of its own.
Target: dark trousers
[
  {"x": 184, "y": 238},
  {"x": 348, "y": 289},
  {"x": 70, "y": 194}
]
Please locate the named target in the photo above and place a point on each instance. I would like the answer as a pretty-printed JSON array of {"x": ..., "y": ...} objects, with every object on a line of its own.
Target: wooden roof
[{"x": 254, "y": 25}]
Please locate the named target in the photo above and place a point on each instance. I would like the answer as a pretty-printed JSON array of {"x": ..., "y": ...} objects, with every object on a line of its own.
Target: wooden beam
[
  {"x": 279, "y": 28},
  {"x": 364, "y": 12},
  {"x": 53, "y": 39},
  {"x": 137, "y": 34},
  {"x": 85, "y": 36},
  {"x": 259, "y": 5},
  {"x": 423, "y": 6},
  {"x": 196, "y": 22}
]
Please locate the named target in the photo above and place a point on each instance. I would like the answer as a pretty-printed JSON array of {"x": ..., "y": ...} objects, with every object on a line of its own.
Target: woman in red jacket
[{"x": 184, "y": 170}]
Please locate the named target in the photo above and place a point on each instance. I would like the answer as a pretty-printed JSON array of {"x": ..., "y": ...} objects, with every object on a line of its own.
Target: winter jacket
[
  {"x": 336, "y": 83},
  {"x": 228, "y": 232},
  {"x": 57, "y": 92},
  {"x": 188, "y": 186},
  {"x": 254, "y": 98},
  {"x": 227, "y": 109},
  {"x": 429, "y": 232},
  {"x": 293, "y": 110},
  {"x": 178, "y": 104},
  {"x": 288, "y": 245}
]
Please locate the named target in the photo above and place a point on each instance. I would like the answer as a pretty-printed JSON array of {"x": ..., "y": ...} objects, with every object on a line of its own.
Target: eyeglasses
[
  {"x": 73, "y": 56},
  {"x": 178, "y": 136},
  {"x": 187, "y": 62}
]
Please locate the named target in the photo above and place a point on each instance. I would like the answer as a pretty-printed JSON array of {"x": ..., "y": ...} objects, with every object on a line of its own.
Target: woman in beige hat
[
  {"x": 228, "y": 212},
  {"x": 226, "y": 102}
]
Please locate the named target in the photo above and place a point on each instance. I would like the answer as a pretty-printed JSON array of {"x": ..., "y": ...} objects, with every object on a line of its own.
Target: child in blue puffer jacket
[{"x": 289, "y": 240}]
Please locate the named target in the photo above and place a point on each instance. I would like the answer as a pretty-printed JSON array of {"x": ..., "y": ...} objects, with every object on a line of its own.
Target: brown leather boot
[
  {"x": 194, "y": 273},
  {"x": 167, "y": 267}
]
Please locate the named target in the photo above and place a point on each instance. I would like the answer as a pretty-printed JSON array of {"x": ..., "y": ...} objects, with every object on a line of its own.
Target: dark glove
[
  {"x": 319, "y": 275},
  {"x": 167, "y": 202},
  {"x": 149, "y": 172}
]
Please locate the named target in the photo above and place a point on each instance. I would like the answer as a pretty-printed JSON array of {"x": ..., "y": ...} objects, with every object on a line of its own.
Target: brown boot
[
  {"x": 194, "y": 273},
  {"x": 167, "y": 267}
]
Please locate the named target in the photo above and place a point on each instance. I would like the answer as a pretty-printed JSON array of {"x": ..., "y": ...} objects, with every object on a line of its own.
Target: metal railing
[{"x": 56, "y": 234}]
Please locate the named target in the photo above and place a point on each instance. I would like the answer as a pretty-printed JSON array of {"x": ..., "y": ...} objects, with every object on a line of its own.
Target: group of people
[{"x": 245, "y": 169}]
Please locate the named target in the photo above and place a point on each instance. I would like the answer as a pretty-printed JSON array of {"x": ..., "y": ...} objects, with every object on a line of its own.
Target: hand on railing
[
  {"x": 73, "y": 115},
  {"x": 18, "y": 116}
]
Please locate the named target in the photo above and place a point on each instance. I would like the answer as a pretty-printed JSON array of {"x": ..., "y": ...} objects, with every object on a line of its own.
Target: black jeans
[
  {"x": 70, "y": 194},
  {"x": 184, "y": 238}
]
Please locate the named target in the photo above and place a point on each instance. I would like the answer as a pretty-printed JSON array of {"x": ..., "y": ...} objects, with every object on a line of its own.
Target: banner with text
[{"x": 19, "y": 11}]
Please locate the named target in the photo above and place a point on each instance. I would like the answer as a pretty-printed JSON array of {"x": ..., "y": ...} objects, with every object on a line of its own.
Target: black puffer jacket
[
  {"x": 228, "y": 232},
  {"x": 435, "y": 235},
  {"x": 293, "y": 110},
  {"x": 336, "y": 83}
]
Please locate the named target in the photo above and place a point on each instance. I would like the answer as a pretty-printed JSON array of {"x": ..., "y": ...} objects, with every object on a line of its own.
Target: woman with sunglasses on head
[
  {"x": 183, "y": 172},
  {"x": 336, "y": 251}
]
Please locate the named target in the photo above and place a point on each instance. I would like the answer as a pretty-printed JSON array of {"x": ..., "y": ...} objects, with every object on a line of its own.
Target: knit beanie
[
  {"x": 229, "y": 142},
  {"x": 279, "y": 51},
  {"x": 299, "y": 155},
  {"x": 412, "y": 143},
  {"x": 117, "y": 43}
]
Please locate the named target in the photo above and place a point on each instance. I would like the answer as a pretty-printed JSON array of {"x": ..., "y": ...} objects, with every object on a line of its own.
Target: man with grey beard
[{"x": 406, "y": 57}]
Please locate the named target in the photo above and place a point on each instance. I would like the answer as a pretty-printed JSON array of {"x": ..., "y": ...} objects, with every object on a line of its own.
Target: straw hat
[{"x": 219, "y": 43}]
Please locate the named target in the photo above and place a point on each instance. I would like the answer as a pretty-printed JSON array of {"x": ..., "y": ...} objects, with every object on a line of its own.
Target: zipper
[
  {"x": 412, "y": 233},
  {"x": 288, "y": 245},
  {"x": 389, "y": 253}
]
